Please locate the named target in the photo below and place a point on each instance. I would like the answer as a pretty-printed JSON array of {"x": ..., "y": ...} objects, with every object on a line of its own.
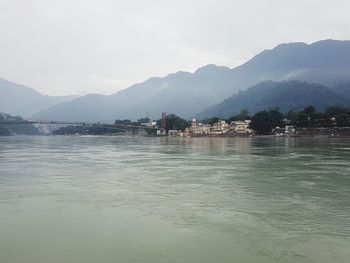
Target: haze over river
[{"x": 134, "y": 199}]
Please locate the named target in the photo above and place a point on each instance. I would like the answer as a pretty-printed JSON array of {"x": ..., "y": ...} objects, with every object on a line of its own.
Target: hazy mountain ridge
[
  {"x": 287, "y": 95},
  {"x": 183, "y": 93},
  {"x": 186, "y": 94},
  {"x": 325, "y": 62},
  {"x": 18, "y": 99}
]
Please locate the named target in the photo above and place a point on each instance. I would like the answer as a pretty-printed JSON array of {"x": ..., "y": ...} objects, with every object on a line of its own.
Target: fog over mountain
[
  {"x": 17, "y": 99},
  {"x": 325, "y": 62},
  {"x": 286, "y": 96},
  {"x": 182, "y": 93},
  {"x": 186, "y": 94}
]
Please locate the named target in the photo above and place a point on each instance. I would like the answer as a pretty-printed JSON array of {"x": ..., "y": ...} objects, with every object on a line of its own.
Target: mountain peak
[
  {"x": 210, "y": 68},
  {"x": 178, "y": 74},
  {"x": 322, "y": 43},
  {"x": 290, "y": 45}
]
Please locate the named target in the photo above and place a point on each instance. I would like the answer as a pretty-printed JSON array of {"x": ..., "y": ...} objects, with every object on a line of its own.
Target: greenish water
[{"x": 133, "y": 199}]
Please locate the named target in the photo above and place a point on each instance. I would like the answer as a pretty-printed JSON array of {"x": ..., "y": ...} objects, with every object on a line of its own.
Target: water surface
[{"x": 134, "y": 199}]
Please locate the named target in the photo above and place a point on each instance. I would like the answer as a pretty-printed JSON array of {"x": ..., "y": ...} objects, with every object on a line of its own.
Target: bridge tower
[
  {"x": 164, "y": 120},
  {"x": 162, "y": 130}
]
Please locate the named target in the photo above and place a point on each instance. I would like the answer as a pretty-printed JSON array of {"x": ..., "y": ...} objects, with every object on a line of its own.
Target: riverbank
[
  {"x": 112, "y": 130},
  {"x": 325, "y": 132},
  {"x": 299, "y": 132}
]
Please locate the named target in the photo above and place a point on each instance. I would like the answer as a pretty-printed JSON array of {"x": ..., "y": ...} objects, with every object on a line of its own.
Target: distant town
[
  {"x": 220, "y": 128},
  {"x": 333, "y": 122}
]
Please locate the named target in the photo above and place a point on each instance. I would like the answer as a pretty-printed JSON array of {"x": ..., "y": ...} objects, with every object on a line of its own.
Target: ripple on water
[{"x": 243, "y": 199}]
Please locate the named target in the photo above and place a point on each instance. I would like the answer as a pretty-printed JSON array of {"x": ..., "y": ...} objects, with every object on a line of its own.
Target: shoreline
[{"x": 296, "y": 136}]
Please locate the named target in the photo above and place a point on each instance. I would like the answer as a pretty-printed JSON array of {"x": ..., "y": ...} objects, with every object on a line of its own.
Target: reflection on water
[{"x": 133, "y": 199}]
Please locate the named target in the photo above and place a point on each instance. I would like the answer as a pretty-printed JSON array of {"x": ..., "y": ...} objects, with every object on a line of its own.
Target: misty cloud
[{"x": 80, "y": 46}]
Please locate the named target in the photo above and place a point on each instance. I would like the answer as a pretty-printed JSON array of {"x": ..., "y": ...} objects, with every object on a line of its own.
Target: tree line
[
  {"x": 173, "y": 122},
  {"x": 263, "y": 122}
]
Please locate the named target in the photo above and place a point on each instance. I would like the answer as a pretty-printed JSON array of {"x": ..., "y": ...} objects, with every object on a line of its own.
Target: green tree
[
  {"x": 309, "y": 110},
  {"x": 123, "y": 122},
  {"x": 336, "y": 110},
  {"x": 174, "y": 122},
  {"x": 343, "y": 120},
  {"x": 302, "y": 119},
  {"x": 143, "y": 120},
  {"x": 277, "y": 117},
  {"x": 262, "y": 122},
  {"x": 318, "y": 119}
]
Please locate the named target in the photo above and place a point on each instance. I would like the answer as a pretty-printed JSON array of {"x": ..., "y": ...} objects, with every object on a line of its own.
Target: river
[{"x": 137, "y": 199}]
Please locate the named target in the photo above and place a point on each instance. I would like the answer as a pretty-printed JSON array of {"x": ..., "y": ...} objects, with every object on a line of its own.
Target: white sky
[{"x": 62, "y": 47}]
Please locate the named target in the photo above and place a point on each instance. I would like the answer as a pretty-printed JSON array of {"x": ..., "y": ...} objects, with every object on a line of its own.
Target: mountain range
[
  {"x": 18, "y": 99},
  {"x": 325, "y": 63}
]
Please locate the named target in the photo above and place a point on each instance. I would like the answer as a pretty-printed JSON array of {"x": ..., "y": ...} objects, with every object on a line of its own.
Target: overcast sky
[{"x": 62, "y": 47}]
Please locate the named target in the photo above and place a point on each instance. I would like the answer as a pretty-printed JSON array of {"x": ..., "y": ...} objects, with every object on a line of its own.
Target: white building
[
  {"x": 151, "y": 124},
  {"x": 241, "y": 127},
  {"x": 289, "y": 129},
  {"x": 161, "y": 132},
  {"x": 221, "y": 127},
  {"x": 199, "y": 128}
]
